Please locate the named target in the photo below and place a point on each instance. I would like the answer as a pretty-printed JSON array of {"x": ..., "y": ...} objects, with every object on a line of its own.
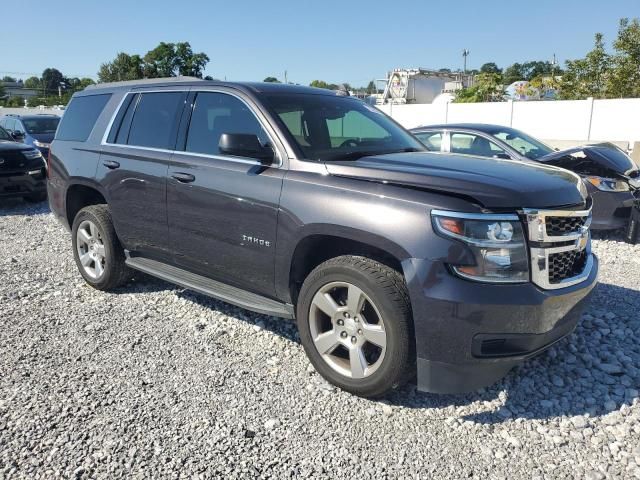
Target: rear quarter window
[{"x": 80, "y": 117}]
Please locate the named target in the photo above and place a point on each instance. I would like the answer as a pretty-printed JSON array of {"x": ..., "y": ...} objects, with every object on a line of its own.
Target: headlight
[
  {"x": 32, "y": 154},
  {"x": 608, "y": 184},
  {"x": 41, "y": 144},
  {"x": 496, "y": 241}
]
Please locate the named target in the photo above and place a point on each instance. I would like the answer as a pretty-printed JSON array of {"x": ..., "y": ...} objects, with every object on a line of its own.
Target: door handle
[
  {"x": 183, "y": 177},
  {"x": 111, "y": 164}
]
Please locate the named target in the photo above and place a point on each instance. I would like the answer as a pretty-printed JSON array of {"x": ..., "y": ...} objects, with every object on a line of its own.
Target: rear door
[
  {"x": 223, "y": 209},
  {"x": 133, "y": 168}
]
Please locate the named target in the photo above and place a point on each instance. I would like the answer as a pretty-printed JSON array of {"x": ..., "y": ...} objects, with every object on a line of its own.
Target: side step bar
[{"x": 212, "y": 288}]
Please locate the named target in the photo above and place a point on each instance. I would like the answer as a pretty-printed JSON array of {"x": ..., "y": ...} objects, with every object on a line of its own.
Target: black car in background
[
  {"x": 34, "y": 130},
  {"x": 611, "y": 176},
  {"x": 22, "y": 170}
]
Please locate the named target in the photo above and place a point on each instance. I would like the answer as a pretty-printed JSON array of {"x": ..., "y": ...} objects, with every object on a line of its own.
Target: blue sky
[{"x": 338, "y": 41}]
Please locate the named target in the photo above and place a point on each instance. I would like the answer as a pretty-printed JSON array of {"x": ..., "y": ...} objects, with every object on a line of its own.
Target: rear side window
[
  {"x": 155, "y": 120},
  {"x": 80, "y": 117},
  {"x": 432, "y": 140}
]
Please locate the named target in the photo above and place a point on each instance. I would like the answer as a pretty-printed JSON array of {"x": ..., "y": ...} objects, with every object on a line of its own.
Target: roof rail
[{"x": 142, "y": 82}]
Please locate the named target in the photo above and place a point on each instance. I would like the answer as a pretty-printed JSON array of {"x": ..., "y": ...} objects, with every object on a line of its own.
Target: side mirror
[
  {"x": 17, "y": 134},
  {"x": 504, "y": 156},
  {"x": 245, "y": 145}
]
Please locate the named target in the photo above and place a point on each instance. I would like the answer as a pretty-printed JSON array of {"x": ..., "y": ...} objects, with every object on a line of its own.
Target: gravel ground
[{"x": 155, "y": 381}]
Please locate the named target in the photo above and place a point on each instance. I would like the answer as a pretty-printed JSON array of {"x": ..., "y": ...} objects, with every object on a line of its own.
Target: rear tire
[
  {"x": 97, "y": 250},
  {"x": 355, "y": 323}
]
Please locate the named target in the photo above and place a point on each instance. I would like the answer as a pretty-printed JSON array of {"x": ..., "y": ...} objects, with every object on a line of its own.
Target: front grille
[
  {"x": 560, "y": 246},
  {"x": 560, "y": 226},
  {"x": 566, "y": 265}
]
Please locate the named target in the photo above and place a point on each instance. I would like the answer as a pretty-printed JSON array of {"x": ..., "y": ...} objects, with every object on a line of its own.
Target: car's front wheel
[
  {"x": 97, "y": 250},
  {"x": 355, "y": 324}
]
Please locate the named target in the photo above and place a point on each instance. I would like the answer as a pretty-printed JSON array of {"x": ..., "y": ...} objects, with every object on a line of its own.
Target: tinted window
[
  {"x": 41, "y": 125},
  {"x": 431, "y": 140},
  {"x": 327, "y": 127},
  {"x": 471, "y": 144},
  {"x": 9, "y": 123},
  {"x": 218, "y": 113},
  {"x": 523, "y": 143},
  {"x": 80, "y": 117},
  {"x": 4, "y": 135},
  {"x": 155, "y": 119}
]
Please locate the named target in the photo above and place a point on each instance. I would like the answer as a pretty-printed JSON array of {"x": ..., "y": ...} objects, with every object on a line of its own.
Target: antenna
[{"x": 465, "y": 54}]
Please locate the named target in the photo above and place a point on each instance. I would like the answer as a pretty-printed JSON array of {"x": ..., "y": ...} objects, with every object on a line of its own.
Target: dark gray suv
[{"x": 303, "y": 203}]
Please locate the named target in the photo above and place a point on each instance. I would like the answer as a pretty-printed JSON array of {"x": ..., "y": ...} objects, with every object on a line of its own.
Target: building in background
[
  {"x": 418, "y": 85},
  {"x": 17, "y": 89}
]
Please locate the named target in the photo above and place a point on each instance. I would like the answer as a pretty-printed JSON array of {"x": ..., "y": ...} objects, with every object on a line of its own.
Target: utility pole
[
  {"x": 285, "y": 77},
  {"x": 465, "y": 54}
]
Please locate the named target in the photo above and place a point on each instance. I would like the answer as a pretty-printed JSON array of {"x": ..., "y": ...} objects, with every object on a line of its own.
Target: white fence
[
  {"x": 561, "y": 123},
  {"x": 29, "y": 111}
]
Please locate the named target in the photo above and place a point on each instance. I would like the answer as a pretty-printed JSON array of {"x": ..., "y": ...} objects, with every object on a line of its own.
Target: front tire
[
  {"x": 97, "y": 250},
  {"x": 355, "y": 324}
]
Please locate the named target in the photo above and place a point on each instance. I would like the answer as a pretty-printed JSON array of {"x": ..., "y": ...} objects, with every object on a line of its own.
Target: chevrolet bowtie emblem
[{"x": 1, "y": 161}]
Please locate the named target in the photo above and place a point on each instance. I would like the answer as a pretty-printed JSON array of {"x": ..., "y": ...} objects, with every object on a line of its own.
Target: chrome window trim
[
  {"x": 243, "y": 160},
  {"x": 475, "y": 216}
]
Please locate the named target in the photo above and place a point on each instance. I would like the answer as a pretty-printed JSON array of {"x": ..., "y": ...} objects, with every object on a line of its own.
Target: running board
[{"x": 206, "y": 286}]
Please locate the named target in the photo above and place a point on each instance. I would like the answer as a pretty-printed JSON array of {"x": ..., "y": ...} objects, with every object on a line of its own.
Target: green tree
[
  {"x": 487, "y": 87},
  {"x": 173, "y": 59},
  {"x": 9, "y": 79},
  {"x": 587, "y": 77},
  {"x": 625, "y": 75},
  {"x": 513, "y": 73},
  {"x": 2, "y": 92},
  {"x": 190, "y": 64},
  {"x": 271, "y": 80},
  {"x": 323, "y": 84},
  {"x": 32, "y": 82},
  {"x": 123, "y": 67},
  {"x": 371, "y": 88},
  {"x": 490, "y": 67},
  {"x": 51, "y": 80}
]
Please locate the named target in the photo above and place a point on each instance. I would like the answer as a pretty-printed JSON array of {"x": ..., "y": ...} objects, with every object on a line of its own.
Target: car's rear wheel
[
  {"x": 97, "y": 250},
  {"x": 355, "y": 324}
]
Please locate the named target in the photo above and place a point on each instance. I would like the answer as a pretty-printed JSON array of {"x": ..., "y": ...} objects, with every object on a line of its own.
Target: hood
[
  {"x": 494, "y": 183},
  {"x": 602, "y": 159},
  {"x": 9, "y": 146},
  {"x": 43, "y": 137}
]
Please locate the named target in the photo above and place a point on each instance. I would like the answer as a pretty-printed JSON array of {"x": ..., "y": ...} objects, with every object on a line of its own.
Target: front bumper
[
  {"x": 20, "y": 184},
  {"x": 611, "y": 210},
  {"x": 470, "y": 334}
]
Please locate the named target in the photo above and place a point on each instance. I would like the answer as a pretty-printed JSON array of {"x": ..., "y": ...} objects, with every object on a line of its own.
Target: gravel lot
[{"x": 156, "y": 381}]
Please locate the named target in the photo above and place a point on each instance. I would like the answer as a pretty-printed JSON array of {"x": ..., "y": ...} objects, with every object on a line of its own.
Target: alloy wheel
[
  {"x": 91, "y": 251},
  {"x": 347, "y": 330}
]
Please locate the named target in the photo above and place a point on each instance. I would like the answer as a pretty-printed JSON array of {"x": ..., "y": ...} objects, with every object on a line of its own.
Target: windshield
[
  {"x": 339, "y": 128},
  {"x": 523, "y": 143},
  {"x": 36, "y": 126},
  {"x": 4, "y": 135}
]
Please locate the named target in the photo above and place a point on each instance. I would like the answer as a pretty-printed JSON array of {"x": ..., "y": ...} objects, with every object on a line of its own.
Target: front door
[
  {"x": 133, "y": 169},
  {"x": 222, "y": 209}
]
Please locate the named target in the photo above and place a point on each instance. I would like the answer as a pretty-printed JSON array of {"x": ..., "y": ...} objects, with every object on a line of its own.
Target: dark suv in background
[
  {"x": 34, "y": 130},
  {"x": 303, "y": 203},
  {"x": 22, "y": 170}
]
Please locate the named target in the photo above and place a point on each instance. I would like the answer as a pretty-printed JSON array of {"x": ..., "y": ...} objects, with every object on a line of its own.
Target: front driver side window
[
  {"x": 471, "y": 144},
  {"x": 218, "y": 113}
]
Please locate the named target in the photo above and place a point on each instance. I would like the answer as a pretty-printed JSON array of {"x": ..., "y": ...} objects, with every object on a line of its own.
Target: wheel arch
[
  {"x": 321, "y": 243},
  {"x": 80, "y": 195}
]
